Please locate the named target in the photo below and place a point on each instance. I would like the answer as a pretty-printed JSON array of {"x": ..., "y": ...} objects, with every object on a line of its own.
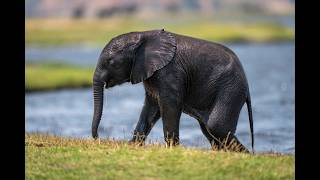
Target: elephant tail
[{"x": 248, "y": 101}]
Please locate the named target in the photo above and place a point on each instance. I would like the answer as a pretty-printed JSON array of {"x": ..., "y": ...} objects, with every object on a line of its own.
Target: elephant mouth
[
  {"x": 107, "y": 84},
  {"x": 112, "y": 83}
]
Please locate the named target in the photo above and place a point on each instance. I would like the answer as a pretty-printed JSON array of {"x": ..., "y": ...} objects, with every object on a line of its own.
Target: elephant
[{"x": 201, "y": 78}]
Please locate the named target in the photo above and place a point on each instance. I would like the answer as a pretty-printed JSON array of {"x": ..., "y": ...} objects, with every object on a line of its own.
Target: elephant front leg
[
  {"x": 170, "y": 113},
  {"x": 149, "y": 115}
]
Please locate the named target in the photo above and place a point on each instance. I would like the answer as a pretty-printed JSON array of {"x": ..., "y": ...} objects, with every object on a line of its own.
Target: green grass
[
  {"x": 49, "y": 157},
  {"x": 56, "y": 76},
  {"x": 100, "y": 31}
]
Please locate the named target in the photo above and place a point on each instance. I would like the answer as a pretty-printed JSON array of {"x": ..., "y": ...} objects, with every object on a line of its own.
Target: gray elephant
[{"x": 180, "y": 74}]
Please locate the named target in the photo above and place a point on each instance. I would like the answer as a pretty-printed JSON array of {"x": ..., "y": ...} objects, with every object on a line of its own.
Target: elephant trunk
[{"x": 98, "y": 106}]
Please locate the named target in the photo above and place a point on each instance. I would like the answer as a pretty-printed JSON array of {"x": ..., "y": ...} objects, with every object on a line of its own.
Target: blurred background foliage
[
  {"x": 96, "y": 22},
  {"x": 60, "y": 23}
]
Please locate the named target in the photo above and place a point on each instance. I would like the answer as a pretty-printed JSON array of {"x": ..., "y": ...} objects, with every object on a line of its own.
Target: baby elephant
[{"x": 180, "y": 74}]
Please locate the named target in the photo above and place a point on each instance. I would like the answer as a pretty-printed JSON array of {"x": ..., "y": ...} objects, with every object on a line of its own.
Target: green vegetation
[
  {"x": 100, "y": 31},
  {"x": 49, "y": 157},
  {"x": 56, "y": 76}
]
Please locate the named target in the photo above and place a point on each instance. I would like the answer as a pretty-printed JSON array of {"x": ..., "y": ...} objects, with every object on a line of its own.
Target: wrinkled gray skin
[{"x": 179, "y": 74}]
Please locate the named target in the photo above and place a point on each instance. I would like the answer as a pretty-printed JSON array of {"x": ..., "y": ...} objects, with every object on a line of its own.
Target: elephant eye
[{"x": 113, "y": 64}]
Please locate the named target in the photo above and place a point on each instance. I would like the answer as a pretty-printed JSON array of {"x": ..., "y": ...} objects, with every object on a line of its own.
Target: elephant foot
[
  {"x": 225, "y": 145},
  {"x": 139, "y": 143},
  {"x": 171, "y": 142},
  {"x": 138, "y": 139}
]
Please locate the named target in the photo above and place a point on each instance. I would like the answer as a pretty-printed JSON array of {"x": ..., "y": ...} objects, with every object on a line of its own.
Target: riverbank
[
  {"x": 51, "y": 76},
  {"x": 53, "y": 32},
  {"x": 49, "y": 157}
]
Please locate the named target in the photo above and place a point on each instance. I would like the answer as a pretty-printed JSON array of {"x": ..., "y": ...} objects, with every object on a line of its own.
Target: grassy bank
[
  {"x": 98, "y": 32},
  {"x": 49, "y": 157},
  {"x": 56, "y": 76}
]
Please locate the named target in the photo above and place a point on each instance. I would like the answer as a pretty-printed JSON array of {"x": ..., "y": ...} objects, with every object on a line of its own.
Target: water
[
  {"x": 269, "y": 69},
  {"x": 79, "y": 55}
]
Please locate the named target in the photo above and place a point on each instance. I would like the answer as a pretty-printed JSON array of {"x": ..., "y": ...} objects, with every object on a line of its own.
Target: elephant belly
[{"x": 197, "y": 114}]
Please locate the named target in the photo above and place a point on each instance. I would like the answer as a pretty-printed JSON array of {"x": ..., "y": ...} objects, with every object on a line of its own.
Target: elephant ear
[{"x": 156, "y": 51}]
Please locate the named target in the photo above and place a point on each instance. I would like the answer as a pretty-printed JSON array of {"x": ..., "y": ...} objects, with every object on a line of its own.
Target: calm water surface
[{"x": 269, "y": 69}]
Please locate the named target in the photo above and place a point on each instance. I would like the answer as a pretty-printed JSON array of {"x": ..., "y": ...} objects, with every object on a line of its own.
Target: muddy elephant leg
[
  {"x": 150, "y": 114},
  {"x": 223, "y": 120}
]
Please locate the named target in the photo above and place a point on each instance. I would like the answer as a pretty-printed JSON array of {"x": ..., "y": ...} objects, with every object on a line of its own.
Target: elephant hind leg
[
  {"x": 223, "y": 121},
  {"x": 207, "y": 134},
  {"x": 231, "y": 142}
]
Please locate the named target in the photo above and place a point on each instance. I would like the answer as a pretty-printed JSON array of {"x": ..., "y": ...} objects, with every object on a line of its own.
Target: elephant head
[{"x": 131, "y": 57}]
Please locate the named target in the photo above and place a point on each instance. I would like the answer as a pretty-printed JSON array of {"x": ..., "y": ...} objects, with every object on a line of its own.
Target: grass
[
  {"x": 50, "y": 157},
  {"x": 56, "y": 76},
  {"x": 100, "y": 31}
]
